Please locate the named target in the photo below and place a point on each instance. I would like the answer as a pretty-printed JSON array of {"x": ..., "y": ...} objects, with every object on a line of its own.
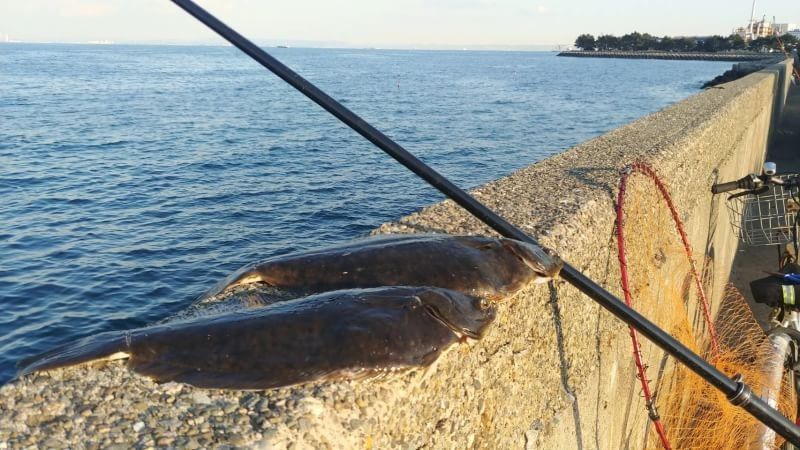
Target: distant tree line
[{"x": 643, "y": 41}]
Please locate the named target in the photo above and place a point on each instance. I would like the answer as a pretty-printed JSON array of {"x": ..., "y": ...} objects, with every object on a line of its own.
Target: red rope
[
  {"x": 623, "y": 267},
  {"x": 637, "y": 353}
]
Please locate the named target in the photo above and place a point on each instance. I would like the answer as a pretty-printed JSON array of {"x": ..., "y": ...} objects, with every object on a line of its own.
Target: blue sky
[{"x": 379, "y": 23}]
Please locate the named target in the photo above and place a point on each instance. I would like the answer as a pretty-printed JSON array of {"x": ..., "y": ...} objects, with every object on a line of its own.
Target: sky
[{"x": 500, "y": 24}]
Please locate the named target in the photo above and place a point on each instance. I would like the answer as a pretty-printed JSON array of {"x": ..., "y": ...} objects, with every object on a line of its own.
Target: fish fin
[
  {"x": 243, "y": 276},
  {"x": 211, "y": 378},
  {"x": 499, "y": 297},
  {"x": 253, "y": 380},
  {"x": 369, "y": 376},
  {"x": 110, "y": 345},
  {"x": 425, "y": 374},
  {"x": 429, "y": 370}
]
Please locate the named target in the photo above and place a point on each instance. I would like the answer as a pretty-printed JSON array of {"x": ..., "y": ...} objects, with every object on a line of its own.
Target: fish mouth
[
  {"x": 545, "y": 263},
  {"x": 459, "y": 331}
]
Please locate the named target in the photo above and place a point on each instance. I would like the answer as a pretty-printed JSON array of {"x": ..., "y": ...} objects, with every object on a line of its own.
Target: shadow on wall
[
  {"x": 584, "y": 177},
  {"x": 564, "y": 364}
]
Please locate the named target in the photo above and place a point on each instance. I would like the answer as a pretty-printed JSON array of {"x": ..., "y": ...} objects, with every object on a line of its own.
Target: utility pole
[{"x": 752, "y": 19}]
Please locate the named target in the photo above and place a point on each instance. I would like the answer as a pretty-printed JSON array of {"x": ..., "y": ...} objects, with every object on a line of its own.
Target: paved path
[{"x": 750, "y": 262}]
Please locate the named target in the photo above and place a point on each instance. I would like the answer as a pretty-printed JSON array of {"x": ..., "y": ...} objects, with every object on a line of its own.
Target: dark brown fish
[
  {"x": 339, "y": 334},
  {"x": 476, "y": 265}
]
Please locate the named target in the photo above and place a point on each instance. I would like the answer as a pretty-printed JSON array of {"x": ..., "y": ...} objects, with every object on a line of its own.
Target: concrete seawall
[
  {"x": 565, "y": 372},
  {"x": 554, "y": 371}
]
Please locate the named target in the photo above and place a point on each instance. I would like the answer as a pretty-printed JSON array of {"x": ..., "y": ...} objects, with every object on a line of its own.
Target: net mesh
[{"x": 694, "y": 414}]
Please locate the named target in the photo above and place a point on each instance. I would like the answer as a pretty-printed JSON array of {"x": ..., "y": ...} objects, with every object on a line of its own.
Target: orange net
[{"x": 693, "y": 413}]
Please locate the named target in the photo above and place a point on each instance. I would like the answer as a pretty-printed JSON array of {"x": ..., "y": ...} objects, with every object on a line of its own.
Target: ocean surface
[{"x": 133, "y": 178}]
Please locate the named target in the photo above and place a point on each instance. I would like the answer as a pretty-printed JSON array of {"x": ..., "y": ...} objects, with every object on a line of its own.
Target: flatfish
[
  {"x": 481, "y": 266},
  {"x": 334, "y": 335}
]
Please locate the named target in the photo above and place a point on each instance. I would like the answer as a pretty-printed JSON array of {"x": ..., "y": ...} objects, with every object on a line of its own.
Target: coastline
[{"x": 686, "y": 56}]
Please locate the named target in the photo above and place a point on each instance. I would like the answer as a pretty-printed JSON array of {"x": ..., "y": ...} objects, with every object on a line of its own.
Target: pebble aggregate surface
[{"x": 122, "y": 410}]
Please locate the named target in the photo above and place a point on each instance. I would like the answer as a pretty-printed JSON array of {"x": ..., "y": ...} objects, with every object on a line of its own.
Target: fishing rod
[{"x": 737, "y": 391}]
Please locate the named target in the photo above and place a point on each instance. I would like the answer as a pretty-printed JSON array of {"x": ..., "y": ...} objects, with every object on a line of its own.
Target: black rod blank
[{"x": 735, "y": 390}]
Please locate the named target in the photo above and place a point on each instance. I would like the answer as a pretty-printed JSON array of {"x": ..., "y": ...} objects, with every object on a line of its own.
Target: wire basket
[{"x": 768, "y": 218}]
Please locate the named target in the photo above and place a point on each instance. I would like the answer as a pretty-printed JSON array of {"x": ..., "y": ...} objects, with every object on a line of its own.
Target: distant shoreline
[
  {"x": 535, "y": 48},
  {"x": 687, "y": 56}
]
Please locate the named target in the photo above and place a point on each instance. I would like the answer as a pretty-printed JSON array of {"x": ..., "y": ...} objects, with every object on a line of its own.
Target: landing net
[{"x": 662, "y": 281}]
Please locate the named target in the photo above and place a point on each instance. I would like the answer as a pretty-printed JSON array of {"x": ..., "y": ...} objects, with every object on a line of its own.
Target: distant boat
[{"x": 283, "y": 46}]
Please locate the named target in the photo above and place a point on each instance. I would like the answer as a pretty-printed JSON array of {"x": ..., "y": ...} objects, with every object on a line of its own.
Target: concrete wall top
[{"x": 535, "y": 379}]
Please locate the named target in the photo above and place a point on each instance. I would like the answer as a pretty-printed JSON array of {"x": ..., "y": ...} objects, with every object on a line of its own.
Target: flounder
[
  {"x": 476, "y": 265},
  {"x": 340, "y": 334}
]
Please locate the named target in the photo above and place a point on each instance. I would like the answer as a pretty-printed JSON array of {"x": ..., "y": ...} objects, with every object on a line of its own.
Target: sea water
[{"x": 132, "y": 178}]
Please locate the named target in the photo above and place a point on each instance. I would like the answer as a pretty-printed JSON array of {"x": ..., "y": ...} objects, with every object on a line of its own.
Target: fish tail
[{"x": 111, "y": 345}]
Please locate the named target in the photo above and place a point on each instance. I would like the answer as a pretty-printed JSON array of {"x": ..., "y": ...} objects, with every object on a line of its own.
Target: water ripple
[{"x": 134, "y": 177}]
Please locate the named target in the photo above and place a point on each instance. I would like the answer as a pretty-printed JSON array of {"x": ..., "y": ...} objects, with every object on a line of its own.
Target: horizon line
[{"x": 311, "y": 45}]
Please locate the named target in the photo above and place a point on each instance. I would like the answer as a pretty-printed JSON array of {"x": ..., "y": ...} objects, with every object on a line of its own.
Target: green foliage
[
  {"x": 631, "y": 41},
  {"x": 679, "y": 44},
  {"x": 643, "y": 41},
  {"x": 736, "y": 42},
  {"x": 789, "y": 41},
  {"x": 585, "y": 42},
  {"x": 714, "y": 44},
  {"x": 647, "y": 42},
  {"x": 607, "y": 42},
  {"x": 763, "y": 44},
  {"x": 666, "y": 43}
]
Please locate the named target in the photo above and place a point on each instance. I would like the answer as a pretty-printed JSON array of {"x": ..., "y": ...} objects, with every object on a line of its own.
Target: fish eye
[{"x": 517, "y": 249}]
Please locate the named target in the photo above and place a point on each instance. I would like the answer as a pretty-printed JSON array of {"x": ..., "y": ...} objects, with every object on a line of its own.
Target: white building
[
  {"x": 783, "y": 28},
  {"x": 755, "y": 30}
]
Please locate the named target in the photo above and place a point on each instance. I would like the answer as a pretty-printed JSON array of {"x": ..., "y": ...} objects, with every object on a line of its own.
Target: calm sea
[{"x": 134, "y": 177}]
